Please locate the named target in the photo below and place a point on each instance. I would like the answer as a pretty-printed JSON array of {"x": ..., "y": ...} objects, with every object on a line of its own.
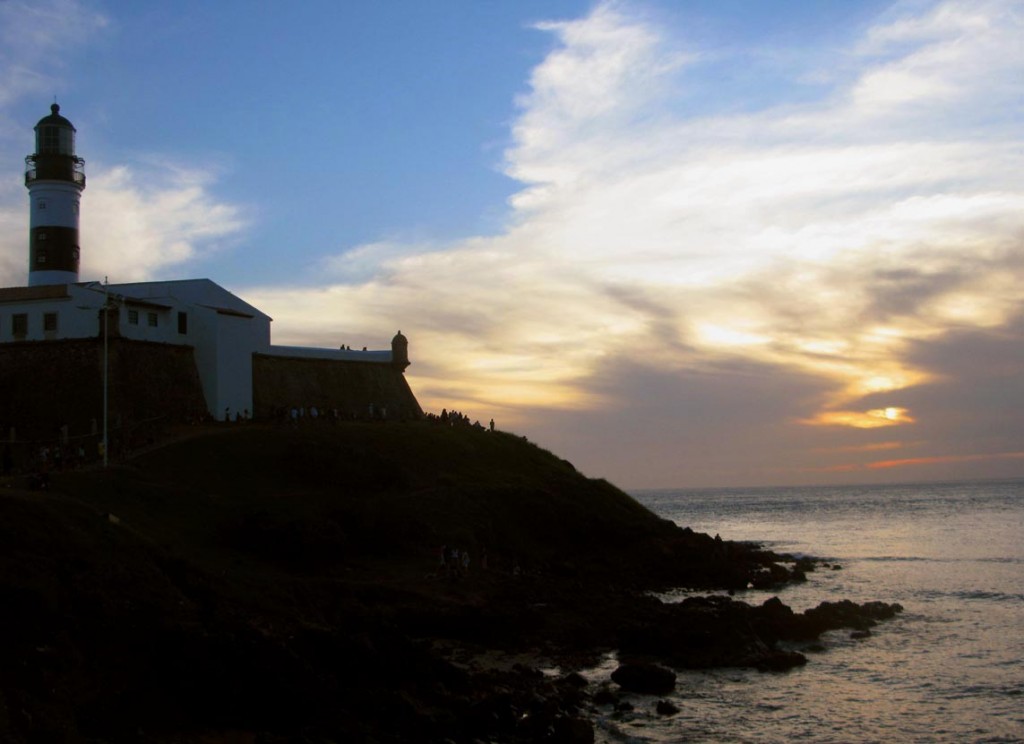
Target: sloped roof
[{"x": 201, "y": 292}]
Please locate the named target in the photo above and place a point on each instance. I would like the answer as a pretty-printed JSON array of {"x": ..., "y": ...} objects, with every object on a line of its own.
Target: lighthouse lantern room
[{"x": 55, "y": 178}]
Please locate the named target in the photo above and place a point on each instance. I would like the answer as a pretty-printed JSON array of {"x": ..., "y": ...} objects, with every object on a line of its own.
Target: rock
[
  {"x": 573, "y": 730},
  {"x": 881, "y": 610},
  {"x": 648, "y": 679},
  {"x": 780, "y": 661},
  {"x": 771, "y": 576},
  {"x": 605, "y": 697},
  {"x": 804, "y": 564},
  {"x": 774, "y": 609},
  {"x": 847, "y": 614},
  {"x": 860, "y": 634},
  {"x": 574, "y": 679},
  {"x": 665, "y": 708},
  {"x": 774, "y": 621}
]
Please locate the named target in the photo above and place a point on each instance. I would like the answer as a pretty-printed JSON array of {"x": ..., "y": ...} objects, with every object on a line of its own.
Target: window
[
  {"x": 151, "y": 319},
  {"x": 182, "y": 323},
  {"x": 49, "y": 140},
  {"x": 133, "y": 317},
  {"x": 19, "y": 324},
  {"x": 56, "y": 140},
  {"x": 42, "y": 203},
  {"x": 49, "y": 322}
]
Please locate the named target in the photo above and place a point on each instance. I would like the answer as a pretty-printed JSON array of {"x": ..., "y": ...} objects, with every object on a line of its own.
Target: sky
[{"x": 684, "y": 243}]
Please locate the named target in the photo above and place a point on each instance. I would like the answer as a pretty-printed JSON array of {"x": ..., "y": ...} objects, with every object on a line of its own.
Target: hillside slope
[
  {"x": 320, "y": 498},
  {"x": 284, "y": 582}
]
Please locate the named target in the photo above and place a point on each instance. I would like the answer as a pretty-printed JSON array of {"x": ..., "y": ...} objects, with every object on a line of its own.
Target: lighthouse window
[
  {"x": 42, "y": 204},
  {"x": 56, "y": 141},
  {"x": 133, "y": 317},
  {"x": 50, "y": 322},
  {"x": 49, "y": 140},
  {"x": 182, "y": 323},
  {"x": 19, "y": 324}
]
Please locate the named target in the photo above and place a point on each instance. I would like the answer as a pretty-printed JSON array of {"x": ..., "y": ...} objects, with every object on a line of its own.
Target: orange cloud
[
  {"x": 882, "y": 464},
  {"x": 871, "y": 419},
  {"x": 872, "y": 447}
]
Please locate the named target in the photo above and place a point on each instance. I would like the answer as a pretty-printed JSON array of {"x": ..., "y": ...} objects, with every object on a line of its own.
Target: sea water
[{"x": 949, "y": 668}]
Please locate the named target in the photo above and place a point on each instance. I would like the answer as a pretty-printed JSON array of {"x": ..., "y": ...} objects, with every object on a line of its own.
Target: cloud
[
  {"x": 139, "y": 221},
  {"x": 140, "y": 218},
  {"x": 827, "y": 242},
  {"x": 948, "y": 459},
  {"x": 873, "y": 418},
  {"x": 142, "y": 222},
  {"x": 693, "y": 285},
  {"x": 34, "y": 32}
]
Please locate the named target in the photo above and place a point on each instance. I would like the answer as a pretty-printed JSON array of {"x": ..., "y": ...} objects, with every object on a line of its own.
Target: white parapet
[{"x": 346, "y": 355}]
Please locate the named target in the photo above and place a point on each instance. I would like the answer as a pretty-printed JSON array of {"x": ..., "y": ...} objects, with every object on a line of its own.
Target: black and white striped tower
[{"x": 55, "y": 178}]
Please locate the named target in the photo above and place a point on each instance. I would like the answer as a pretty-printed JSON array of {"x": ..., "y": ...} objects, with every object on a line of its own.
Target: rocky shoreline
[
  {"x": 650, "y": 639},
  {"x": 249, "y": 597}
]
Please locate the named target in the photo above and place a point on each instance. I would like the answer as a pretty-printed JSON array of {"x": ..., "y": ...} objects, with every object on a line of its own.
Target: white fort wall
[{"x": 224, "y": 331}]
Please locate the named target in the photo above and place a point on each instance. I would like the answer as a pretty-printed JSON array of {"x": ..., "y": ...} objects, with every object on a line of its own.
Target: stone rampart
[
  {"x": 355, "y": 389},
  {"x": 45, "y": 385}
]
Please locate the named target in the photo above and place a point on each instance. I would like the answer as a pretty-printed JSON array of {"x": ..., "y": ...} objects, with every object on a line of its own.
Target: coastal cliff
[{"x": 250, "y": 582}]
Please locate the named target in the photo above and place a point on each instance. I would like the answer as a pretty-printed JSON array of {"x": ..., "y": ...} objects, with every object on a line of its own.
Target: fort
[{"x": 79, "y": 359}]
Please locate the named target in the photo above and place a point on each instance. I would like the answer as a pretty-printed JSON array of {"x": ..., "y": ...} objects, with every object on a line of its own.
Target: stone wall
[
  {"x": 281, "y": 383},
  {"x": 48, "y": 384}
]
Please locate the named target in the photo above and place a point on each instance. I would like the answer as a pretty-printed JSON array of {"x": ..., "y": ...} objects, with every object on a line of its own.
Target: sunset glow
[
  {"x": 675, "y": 245},
  {"x": 872, "y": 419}
]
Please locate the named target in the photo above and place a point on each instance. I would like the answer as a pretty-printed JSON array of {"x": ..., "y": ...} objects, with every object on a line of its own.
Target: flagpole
[{"x": 106, "y": 312}]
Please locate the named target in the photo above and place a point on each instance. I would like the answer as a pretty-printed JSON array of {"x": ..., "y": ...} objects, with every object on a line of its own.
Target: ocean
[{"x": 949, "y": 668}]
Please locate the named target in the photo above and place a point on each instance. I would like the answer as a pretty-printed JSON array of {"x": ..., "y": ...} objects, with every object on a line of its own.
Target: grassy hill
[
  {"x": 283, "y": 582},
  {"x": 318, "y": 498}
]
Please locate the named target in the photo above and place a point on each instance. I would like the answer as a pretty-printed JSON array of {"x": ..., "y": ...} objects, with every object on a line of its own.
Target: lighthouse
[{"x": 55, "y": 178}]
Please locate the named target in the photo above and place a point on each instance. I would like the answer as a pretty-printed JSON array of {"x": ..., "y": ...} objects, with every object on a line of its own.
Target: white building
[{"x": 224, "y": 330}]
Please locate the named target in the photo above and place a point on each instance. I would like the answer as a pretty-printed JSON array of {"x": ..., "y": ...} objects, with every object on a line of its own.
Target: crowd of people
[
  {"x": 72, "y": 447},
  {"x": 455, "y": 418},
  {"x": 295, "y": 415},
  {"x": 454, "y": 562},
  {"x": 66, "y": 452}
]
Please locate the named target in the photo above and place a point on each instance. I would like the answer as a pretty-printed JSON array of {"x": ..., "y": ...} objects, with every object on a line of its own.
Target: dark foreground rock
[
  {"x": 284, "y": 585},
  {"x": 715, "y": 631},
  {"x": 649, "y": 679},
  {"x": 665, "y": 708},
  {"x": 775, "y": 621}
]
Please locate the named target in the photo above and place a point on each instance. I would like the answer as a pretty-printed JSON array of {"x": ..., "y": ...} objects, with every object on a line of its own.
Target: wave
[
  {"x": 973, "y": 595},
  {"x": 985, "y": 691},
  {"x": 907, "y": 559},
  {"x": 1010, "y": 560},
  {"x": 989, "y": 596}
]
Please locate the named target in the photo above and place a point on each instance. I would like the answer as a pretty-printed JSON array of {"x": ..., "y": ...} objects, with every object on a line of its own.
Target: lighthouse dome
[
  {"x": 54, "y": 119},
  {"x": 55, "y": 135}
]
